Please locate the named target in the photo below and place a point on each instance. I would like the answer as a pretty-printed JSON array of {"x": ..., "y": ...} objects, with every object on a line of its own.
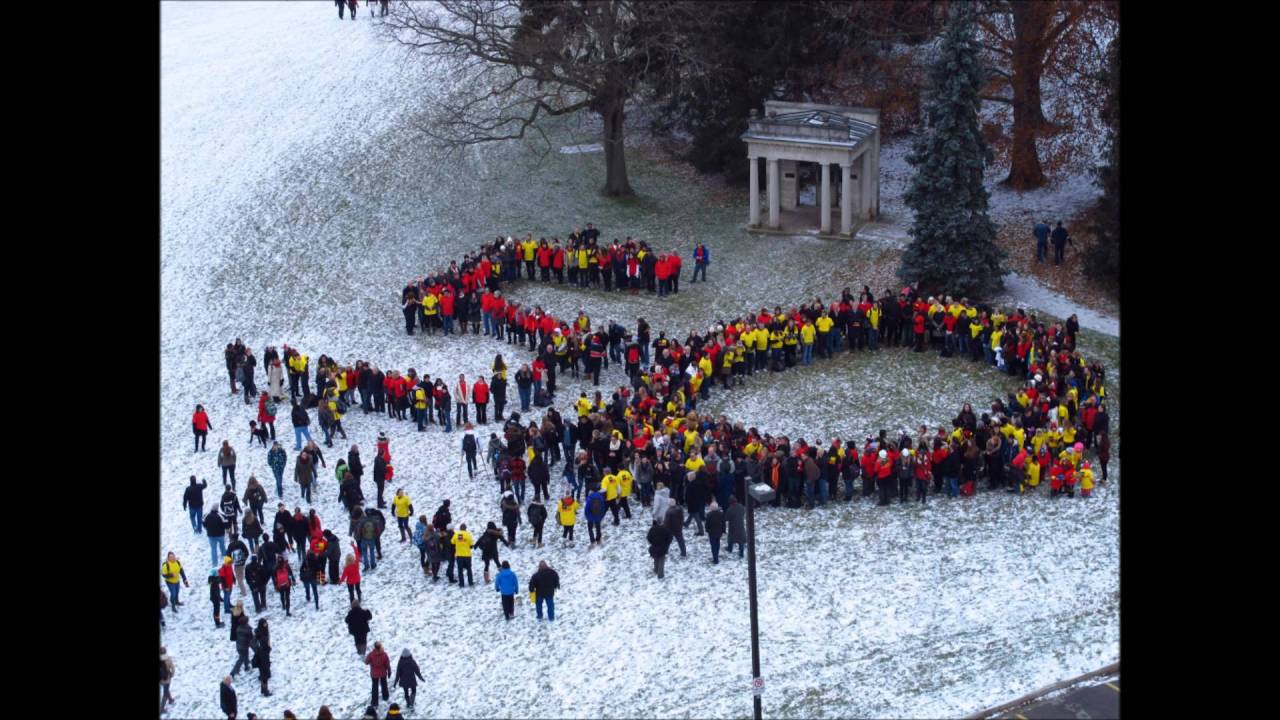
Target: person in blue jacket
[
  {"x": 595, "y": 510},
  {"x": 701, "y": 259},
  {"x": 507, "y": 585},
  {"x": 1041, "y": 233}
]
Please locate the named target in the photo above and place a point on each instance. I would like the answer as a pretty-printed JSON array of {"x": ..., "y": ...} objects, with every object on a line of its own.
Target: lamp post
[{"x": 761, "y": 493}]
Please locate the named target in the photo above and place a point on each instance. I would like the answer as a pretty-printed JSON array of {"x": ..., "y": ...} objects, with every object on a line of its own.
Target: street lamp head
[{"x": 762, "y": 492}]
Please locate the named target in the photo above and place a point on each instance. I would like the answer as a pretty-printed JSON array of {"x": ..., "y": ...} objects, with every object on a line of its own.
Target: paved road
[{"x": 1090, "y": 701}]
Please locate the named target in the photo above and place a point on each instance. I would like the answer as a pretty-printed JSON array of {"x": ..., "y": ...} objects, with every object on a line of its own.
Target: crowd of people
[
  {"x": 646, "y": 442},
  {"x": 471, "y": 291}
]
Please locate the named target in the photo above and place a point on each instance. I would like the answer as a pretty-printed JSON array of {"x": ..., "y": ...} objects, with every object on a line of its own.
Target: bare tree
[
  {"x": 1029, "y": 40},
  {"x": 512, "y": 64}
]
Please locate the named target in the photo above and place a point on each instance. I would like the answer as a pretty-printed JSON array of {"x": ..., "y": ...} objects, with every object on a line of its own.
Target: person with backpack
[
  {"x": 229, "y": 508},
  {"x": 595, "y": 511},
  {"x": 407, "y": 676},
  {"x": 434, "y": 546},
  {"x": 659, "y": 538},
  {"x": 267, "y": 414},
  {"x": 166, "y": 677},
  {"x": 368, "y": 532},
  {"x": 379, "y": 670},
  {"x": 543, "y": 585},
  {"x": 418, "y": 539},
  {"x": 239, "y": 554},
  {"x": 284, "y": 580},
  {"x": 506, "y": 584},
  {"x": 358, "y": 625},
  {"x": 261, "y": 646},
  {"x": 172, "y": 572},
  {"x": 200, "y": 427},
  {"x": 193, "y": 503}
]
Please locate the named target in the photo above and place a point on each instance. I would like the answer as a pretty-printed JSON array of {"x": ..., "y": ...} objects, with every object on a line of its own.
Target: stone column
[
  {"x": 754, "y": 219},
  {"x": 775, "y": 194},
  {"x": 865, "y": 182},
  {"x": 846, "y": 198},
  {"x": 825, "y": 202}
]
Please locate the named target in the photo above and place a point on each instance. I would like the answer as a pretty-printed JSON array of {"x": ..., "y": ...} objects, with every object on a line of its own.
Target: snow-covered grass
[{"x": 296, "y": 200}]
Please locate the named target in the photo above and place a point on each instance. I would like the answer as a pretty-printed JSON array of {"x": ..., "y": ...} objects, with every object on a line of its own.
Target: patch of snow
[
  {"x": 576, "y": 149},
  {"x": 1031, "y": 293}
]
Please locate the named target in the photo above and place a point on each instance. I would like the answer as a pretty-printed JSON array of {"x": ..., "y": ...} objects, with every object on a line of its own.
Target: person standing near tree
[
  {"x": 1060, "y": 239},
  {"x": 1041, "y": 233}
]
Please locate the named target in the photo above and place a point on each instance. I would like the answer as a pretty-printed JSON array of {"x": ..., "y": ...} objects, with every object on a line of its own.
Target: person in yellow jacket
[
  {"x": 337, "y": 416},
  {"x": 694, "y": 463},
  {"x": 1033, "y": 471},
  {"x": 172, "y": 572},
  {"x": 420, "y": 408},
  {"x": 430, "y": 311},
  {"x": 402, "y": 507},
  {"x": 567, "y": 514},
  {"x": 610, "y": 487},
  {"x": 1086, "y": 480},
  {"x": 462, "y": 542},
  {"x": 808, "y": 334},
  {"x": 583, "y": 406},
  {"x": 873, "y": 326}
]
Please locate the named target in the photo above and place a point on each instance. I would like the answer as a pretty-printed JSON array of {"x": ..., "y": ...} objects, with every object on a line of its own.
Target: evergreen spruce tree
[
  {"x": 952, "y": 249},
  {"x": 1103, "y": 259}
]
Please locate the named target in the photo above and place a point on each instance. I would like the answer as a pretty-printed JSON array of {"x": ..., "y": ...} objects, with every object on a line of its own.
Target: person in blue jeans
[
  {"x": 807, "y": 358},
  {"x": 193, "y": 502},
  {"x": 216, "y": 531},
  {"x": 300, "y": 420},
  {"x": 701, "y": 259},
  {"x": 1041, "y": 233},
  {"x": 545, "y": 582}
]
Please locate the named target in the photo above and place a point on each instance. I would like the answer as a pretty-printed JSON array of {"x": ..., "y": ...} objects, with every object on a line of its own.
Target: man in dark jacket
[
  {"x": 659, "y": 542},
  {"x": 544, "y": 583},
  {"x": 300, "y": 420},
  {"x": 537, "y": 514},
  {"x": 358, "y": 625},
  {"x": 243, "y": 637},
  {"x": 380, "y": 524},
  {"x": 193, "y": 503},
  {"x": 216, "y": 531},
  {"x": 715, "y": 529},
  {"x": 735, "y": 517},
  {"x": 227, "y": 697},
  {"x": 1060, "y": 239},
  {"x": 674, "y": 522},
  {"x": 256, "y": 577},
  {"x": 379, "y": 476},
  {"x": 695, "y": 496}
]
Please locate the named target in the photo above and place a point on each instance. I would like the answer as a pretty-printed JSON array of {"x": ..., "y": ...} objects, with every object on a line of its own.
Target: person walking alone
[
  {"x": 379, "y": 670},
  {"x": 542, "y": 589},
  {"x": 659, "y": 543},
  {"x": 507, "y": 584},
  {"x": 407, "y": 676}
]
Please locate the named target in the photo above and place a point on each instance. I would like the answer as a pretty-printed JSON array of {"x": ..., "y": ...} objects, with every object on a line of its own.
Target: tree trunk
[
  {"x": 615, "y": 158},
  {"x": 1030, "y": 23}
]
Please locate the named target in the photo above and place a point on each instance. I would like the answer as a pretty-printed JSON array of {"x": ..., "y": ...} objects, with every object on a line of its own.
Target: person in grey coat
[
  {"x": 661, "y": 501},
  {"x": 674, "y": 521},
  {"x": 243, "y": 637},
  {"x": 736, "y": 517}
]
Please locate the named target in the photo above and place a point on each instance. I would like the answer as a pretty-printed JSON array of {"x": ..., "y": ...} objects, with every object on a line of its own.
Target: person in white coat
[
  {"x": 461, "y": 397},
  {"x": 275, "y": 381},
  {"x": 661, "y": 501}
]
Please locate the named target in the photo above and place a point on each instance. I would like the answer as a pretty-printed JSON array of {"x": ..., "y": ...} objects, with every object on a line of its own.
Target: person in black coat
[
  {"x": 537, "y": 514},
  {"x": 715, "y": 529},
  {"x": 262, "y": 655},
  {"x": 354, "y": 466},
  {"x": 358, "y": 625},
  {"x": 193, "y": 503},
  {"x": 227, "y": 698},
  {"x": 659, "y": 542},
  {"x": 379, "y": 476},
  {"x": 255, "y": 575},
  {"x": 407, "y": 676},
  {"x": 544, "y": 583}
]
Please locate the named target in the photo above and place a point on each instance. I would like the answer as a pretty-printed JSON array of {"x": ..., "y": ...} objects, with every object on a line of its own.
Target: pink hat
[{"x": 1079, "y": 447}]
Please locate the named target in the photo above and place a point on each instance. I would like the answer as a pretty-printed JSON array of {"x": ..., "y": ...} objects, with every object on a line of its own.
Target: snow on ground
[
  {"x": 1031, "y": 293},
  {"x": 296, "y": 202}
]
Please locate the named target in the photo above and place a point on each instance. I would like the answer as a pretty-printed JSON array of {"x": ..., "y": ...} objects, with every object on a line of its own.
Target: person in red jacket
[
  {"x": 379, "y": 669},
  {"x": 227, "y": 576},
  {"x": 201, "y": 426},
  {"x": 446, "y": 308},
  {"x": 351, "y": 574},
  {"x": 673, "y": 264},
  {"x": 480, "y": 396},
  {"x": 544, "y": 261},
  {"x": 557, "y": 261},
  {"x": 917, "y": 323},
  {"x": 662, "y": 270},
  {"x": 265, "y": 419}
]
